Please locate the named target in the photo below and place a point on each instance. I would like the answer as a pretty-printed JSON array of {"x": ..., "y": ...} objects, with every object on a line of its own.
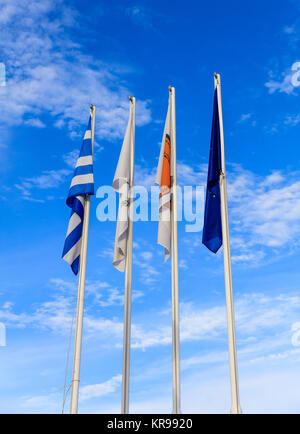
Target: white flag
[
  {"x": 163, "y": 178},
  {"x": 121, "y": 184}
]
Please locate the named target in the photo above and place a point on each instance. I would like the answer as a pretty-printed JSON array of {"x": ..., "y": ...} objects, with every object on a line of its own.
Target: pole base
[{"x": 236, "y": 410}]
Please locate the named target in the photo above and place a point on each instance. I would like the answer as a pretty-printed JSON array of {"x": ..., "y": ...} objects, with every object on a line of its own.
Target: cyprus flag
[{"x": 163, "y": 178}]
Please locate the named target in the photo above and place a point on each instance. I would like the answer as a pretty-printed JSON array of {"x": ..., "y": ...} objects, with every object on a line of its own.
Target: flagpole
[
  {"x": 81, "y": 288},
  {"x": 235, "y": 404},
  {"x": 174, "y": 254},
  {"x": 128, "y": 278}
]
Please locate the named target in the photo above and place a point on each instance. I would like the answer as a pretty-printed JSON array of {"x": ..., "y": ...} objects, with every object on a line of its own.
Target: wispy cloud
[
  {"x": 49, "y": 73},
  {"x": 106, "y": 295},
  {"x": 34, "y": 123},
  {"x": 272, "y": 332},
  {"x": 71, "y": 157},
  {"x": 47, "y": 180},
  {"x": 264, "y": 214},
  {"x": 285, "y": 82},
  {"x": 244, "y": 117},
  {"x": 292, "y": 120},
  {"x": 264, "y": 210},
  {"x": 274, "y": 314},
  {"x": 148, "y": 270},
  {"x": 101, "y": 389},
  {"x": 141, "y": 16},
  {"x": 283, "y": 85}
]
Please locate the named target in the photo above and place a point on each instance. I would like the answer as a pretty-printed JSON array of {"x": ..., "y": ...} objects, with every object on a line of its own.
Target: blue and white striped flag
[{"x": 81, "y": 185}]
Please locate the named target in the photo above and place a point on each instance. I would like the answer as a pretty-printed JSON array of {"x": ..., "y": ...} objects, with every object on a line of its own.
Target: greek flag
[{"x": 81, "y": 185}]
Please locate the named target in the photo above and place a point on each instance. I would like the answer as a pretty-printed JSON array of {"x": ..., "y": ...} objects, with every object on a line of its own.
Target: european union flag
[{"x": 212, "y": 229}]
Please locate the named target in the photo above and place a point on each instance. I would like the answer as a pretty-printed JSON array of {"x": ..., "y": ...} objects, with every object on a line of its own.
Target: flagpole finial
[{"x": 217, "y": 77}]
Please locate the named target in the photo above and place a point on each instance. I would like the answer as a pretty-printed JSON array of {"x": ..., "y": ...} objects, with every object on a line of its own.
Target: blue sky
[{"x": 60, "y": 57}]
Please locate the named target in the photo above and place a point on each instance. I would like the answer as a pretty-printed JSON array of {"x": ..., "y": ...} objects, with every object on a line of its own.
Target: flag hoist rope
[
  {"x": 235, "y": 404},
  {"x": 81, "y": 287},
  {"x": 66, "y": 389},
  {"x": 128, "y": 276},
  {"x": 174, "y": 258}
]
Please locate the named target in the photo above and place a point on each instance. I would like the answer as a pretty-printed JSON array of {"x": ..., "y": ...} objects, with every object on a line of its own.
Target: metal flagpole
[
  {"x": 174, "y": 248},
  {"x": 235, "y": 404},
  {"x": 81, "y": 287},
  {"x": 128, "y": 277}
]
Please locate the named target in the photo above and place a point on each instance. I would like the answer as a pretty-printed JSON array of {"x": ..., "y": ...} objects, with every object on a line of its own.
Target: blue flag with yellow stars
[{"x": 212, "y": 229}]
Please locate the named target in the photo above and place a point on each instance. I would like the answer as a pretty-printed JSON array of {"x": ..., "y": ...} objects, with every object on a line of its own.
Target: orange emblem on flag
[{"x": 165, "y": 184}]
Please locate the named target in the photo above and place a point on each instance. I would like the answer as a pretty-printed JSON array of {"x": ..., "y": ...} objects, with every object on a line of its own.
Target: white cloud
[
  {"x": 71, "y": 157},
  {"x": 146, "y": 255},
  {"x": 289, "y": 30},
  {"x": 47, "y": 180},
  {"x": 288, "y": 80},
  {"x": 245, "y": 117},
  {"x": 41, "y": 403},
  {"x": 296, "y": 334},
  {"x": 264, "y": 340},
  {"x": 140, "y": 16},
  {"x": 276, "y": 177},
  {"x": 107, "y": 253},
  {"x": 264, "y": 388},
  {"x": 292, "y": 119},
  {"x": 62, "y": 285},
  {"x": 275, "y": 315},
  {"x": 144, "y": 176},
  {"x": 98, "y": 292},
  {"x": 48, "y": 73},
  {"x": 197, "y": 324},
  {"x": 101, "y": 389},
  {"x": 56, "y": 315},
  {"x": 264, "y": 211},
  {"x": 248, "y": 257},
  {"x": 34, "y": 123},
  {"x": 188, "y": 175},
  {"x": 111, "y": 297},
  {"x": 183, "y": 264},
  {"x": 283, "y": 86},
  {"x": 148, "y": 272}
]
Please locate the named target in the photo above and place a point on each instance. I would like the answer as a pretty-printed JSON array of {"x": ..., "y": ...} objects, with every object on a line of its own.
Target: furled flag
[
  {"x": 121, "y": 184},
  {"x": 82, "y": 184},
  {"x": 212, "y": 230},
  {"x": 163, "y": 178}
]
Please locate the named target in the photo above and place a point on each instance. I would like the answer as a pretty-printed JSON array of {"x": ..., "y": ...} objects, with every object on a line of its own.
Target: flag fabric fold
[
  {"x": 212, "y": 229},
  {"x": 163, "y": 178},
  {"x": 121, "y": 185},
  {"x": 82, "y": 184}
]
